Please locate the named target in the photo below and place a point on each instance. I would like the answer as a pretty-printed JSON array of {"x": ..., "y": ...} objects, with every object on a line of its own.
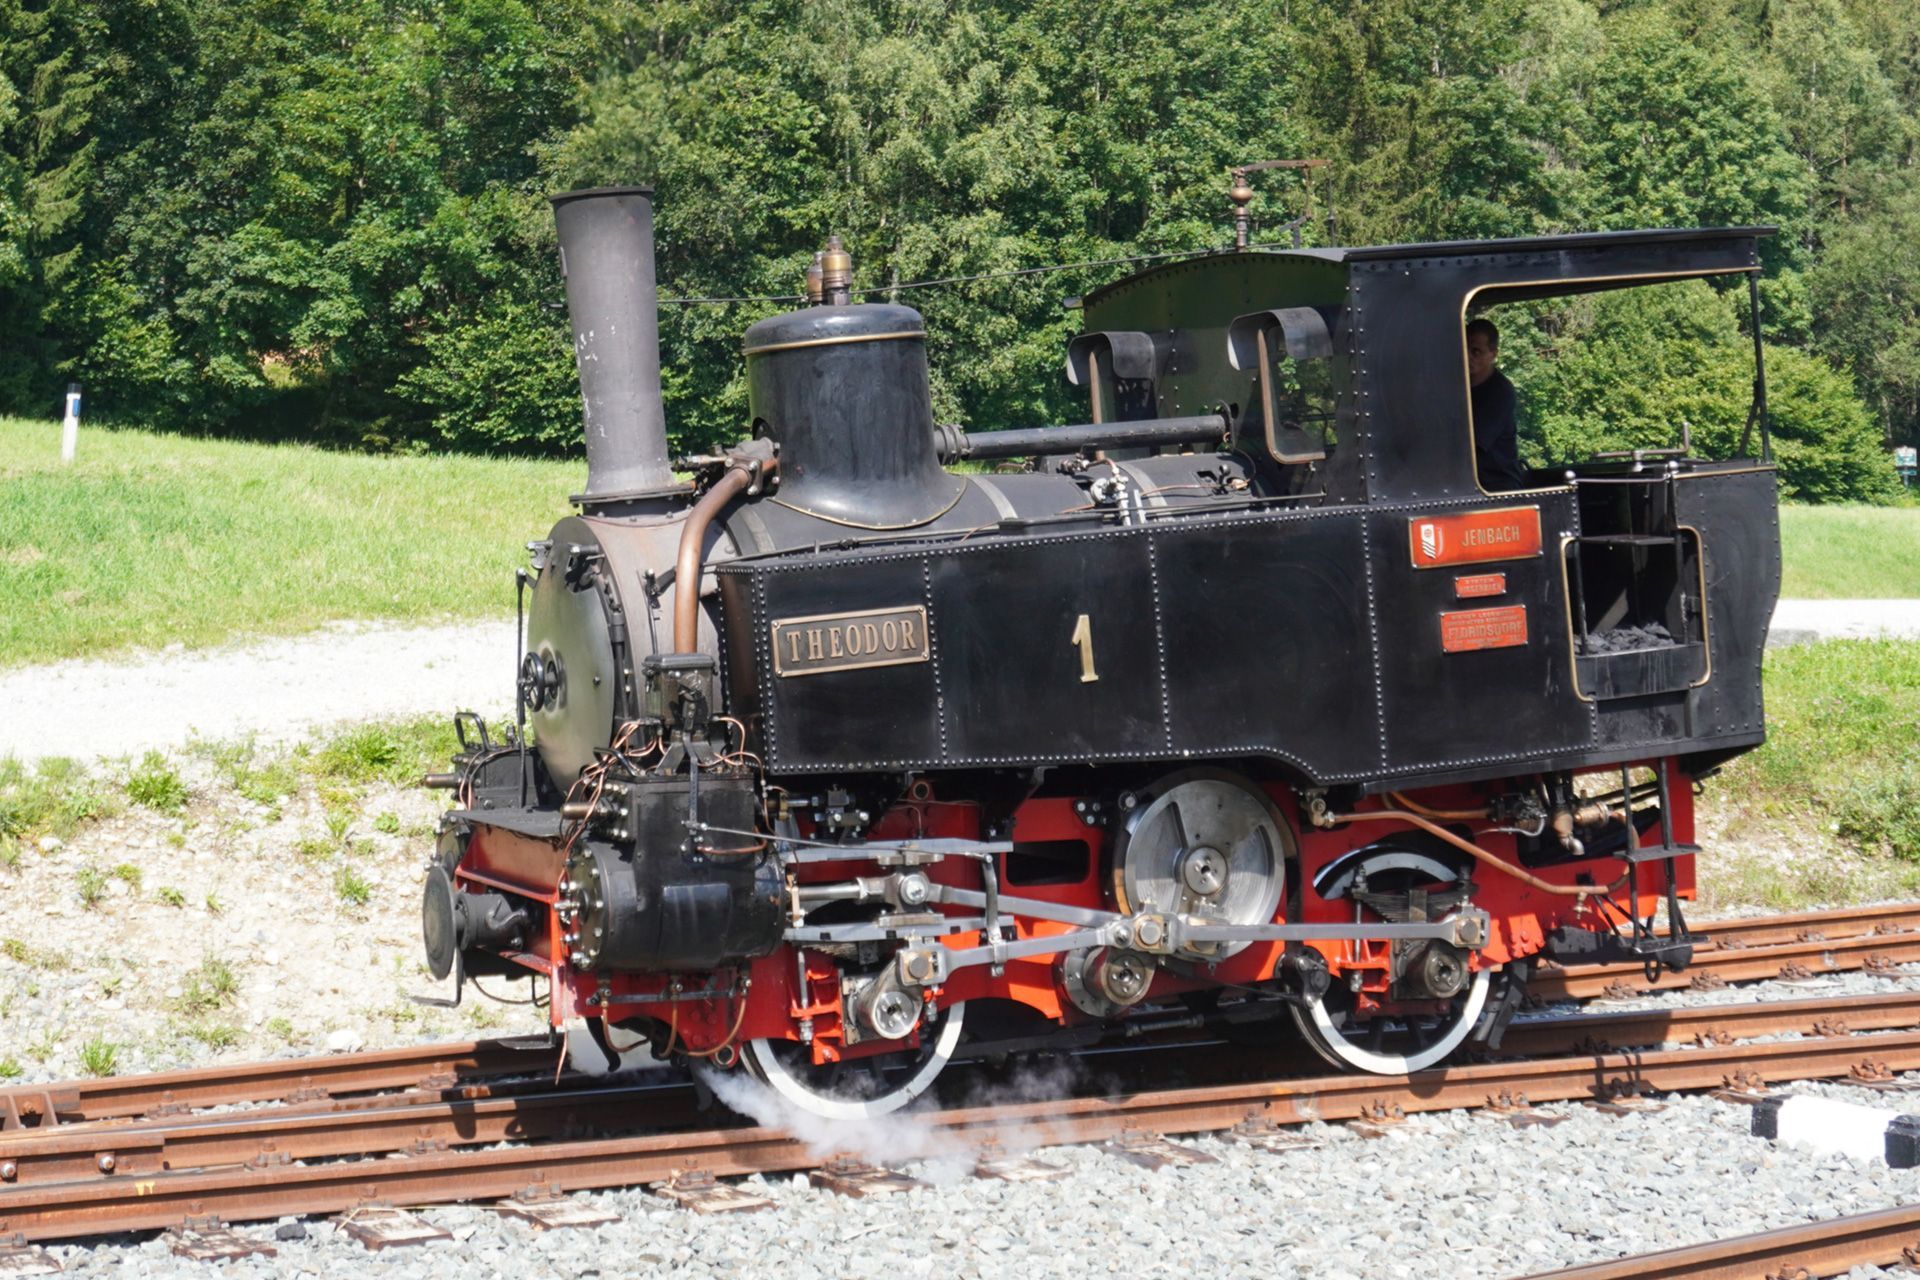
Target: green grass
[
  {"x": 90, "y": 885},
  {"x": 148, "y": 540},
  {"x": 215, "y": 1035},
  {"x": 1850, "y": 553},
  {"x": 212, "y": 985},
  {"x": 396, "y": 751},
  {"x": 156, "y": 784},
  {"x": 1843, "y": 747},
  {"x": 353, "y": 888},
  {"x": 54, "y": 796},
  {"x": 98, "y": 1056}
]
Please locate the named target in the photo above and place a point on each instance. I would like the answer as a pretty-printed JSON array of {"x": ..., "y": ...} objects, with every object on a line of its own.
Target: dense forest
[{"x": 324, "y": 219}]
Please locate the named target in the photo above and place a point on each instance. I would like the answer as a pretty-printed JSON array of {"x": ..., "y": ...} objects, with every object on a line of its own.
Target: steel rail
[
  {"x": 1799, "y": 926},
  {"x": 411, "y": 1123},
  {"x": 280, "y": 1079},
  {"x": 1605, "y": 1032},
  {"x": 416, "y": 1122},
  {"x": 440, "y": 1065},
  {"x": 1740, "y": 964},
  {"x": 100, "y": 1205},
  {"x": 1828, "y": 1248}
]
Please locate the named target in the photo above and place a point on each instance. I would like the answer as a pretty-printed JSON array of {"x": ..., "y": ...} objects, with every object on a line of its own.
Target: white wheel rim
[
  {"x": 769, "y": 1067},
  {"x": 1394, "y": 1064}
]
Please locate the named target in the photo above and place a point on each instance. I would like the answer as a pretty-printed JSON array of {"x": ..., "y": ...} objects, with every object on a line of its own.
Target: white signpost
[{"x": 70, "y": 425}]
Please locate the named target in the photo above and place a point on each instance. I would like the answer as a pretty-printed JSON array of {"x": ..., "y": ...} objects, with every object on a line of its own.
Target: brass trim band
[{"x": 834, "y": 342}]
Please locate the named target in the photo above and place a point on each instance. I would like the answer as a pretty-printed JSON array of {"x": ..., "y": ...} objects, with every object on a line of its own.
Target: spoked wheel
[
  {"x": 864, "y": 1087},
  {"x": 1391, "y": 1041}
]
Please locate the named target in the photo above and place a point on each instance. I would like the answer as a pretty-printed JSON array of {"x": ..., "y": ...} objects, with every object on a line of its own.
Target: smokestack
[{"x": 606, "y": 255}]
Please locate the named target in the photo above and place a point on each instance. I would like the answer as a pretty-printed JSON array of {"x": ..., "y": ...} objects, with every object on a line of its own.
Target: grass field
[
  {"x": 1850, "y": 553},
  {"x": 1828, "y": 810},
  {"x": 149, "y": 540}
]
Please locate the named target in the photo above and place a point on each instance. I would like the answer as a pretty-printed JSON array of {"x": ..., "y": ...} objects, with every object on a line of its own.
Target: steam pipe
[
  {"x": 742, "y": 473},
  {"x": 954, "y": 443},
  {"x": 606, "y": 256}
]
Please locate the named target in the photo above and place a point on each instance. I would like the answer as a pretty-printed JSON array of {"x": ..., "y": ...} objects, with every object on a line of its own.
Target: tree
[
  {"x": 1678, "y": 137},
  {"x": 1836, "y": 109},
  {"x": 13, "y": 215},
  {"x": 45, "y": 124},
  {"x": 1428, "y": 139},
  {"x": 941, "y": 141},
  {"x": 1866, "y": 293},
  {"x": 1633, "y": 368}
]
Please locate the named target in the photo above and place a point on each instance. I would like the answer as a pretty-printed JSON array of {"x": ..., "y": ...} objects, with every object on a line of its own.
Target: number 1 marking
[{"x": 1083, "y": 641}]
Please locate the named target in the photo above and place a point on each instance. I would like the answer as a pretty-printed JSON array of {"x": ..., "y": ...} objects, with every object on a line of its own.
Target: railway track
[
  {"x": 93, "y": 1157},
  {"x": 1830, "y": 1248},
  {"x": 284, "y": 1080},
  {"x": 1800, "y": 945},
  {"x": 418, "y": 1122},
  {"x": 64, "y": 1185}
]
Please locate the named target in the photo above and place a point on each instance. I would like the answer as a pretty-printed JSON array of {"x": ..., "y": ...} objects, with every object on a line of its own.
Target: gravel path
[
  {"x": 1805, "y": 621},
  {"x": 274, "y": 689},
  {"x": 280, "y": 689}
]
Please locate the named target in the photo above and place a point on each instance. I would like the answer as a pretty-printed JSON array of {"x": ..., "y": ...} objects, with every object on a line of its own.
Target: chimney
[{"x": 606, "y": 255}]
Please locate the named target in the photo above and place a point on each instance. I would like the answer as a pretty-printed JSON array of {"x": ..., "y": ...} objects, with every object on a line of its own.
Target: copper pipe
[
  {"x": 693, "y": 537},
  {"x": 1449, "y": 815},
  {"x": 1468, "y": 847}
]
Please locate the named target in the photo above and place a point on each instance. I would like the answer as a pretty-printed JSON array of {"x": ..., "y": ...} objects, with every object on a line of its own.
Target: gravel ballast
[{"x": 1453, "y": 1194}]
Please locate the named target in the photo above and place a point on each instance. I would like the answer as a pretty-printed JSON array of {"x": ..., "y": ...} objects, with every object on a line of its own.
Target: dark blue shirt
[{"x": 1496, "y": 446}]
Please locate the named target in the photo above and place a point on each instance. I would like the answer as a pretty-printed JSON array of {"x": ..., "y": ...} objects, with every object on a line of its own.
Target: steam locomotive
[{"x": 1244, "y": 702}]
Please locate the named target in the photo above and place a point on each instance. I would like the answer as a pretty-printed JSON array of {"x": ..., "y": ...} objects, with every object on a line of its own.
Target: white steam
[{"x": 903, "y": 1137}]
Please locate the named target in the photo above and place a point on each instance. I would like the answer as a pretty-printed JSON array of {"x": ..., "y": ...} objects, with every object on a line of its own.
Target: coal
[{"x": 1625, "y": 639}]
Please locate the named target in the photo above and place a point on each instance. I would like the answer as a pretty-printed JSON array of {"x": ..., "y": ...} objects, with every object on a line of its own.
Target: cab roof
[{"x": 1530, "y": 244}]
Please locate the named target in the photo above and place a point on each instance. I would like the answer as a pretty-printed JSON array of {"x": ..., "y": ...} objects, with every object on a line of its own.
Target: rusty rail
[
  {"x": 1796, "y": 959},
  {"x": 1830, "y": 1016},
  {"x": 111, "y": 1204},
  {"x": 278, "y": 1080},
  {"x": 410, "y": 1124},
  {"x": 1797, "y": 926},
  {"x": 1828, "y": 1248},
  {"x": 334, "y": 1076},
  {"x": 418, "y": 1122}
]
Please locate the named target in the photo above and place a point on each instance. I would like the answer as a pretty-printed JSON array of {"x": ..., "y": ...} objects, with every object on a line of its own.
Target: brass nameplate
[{"x": 849, "y": 641}]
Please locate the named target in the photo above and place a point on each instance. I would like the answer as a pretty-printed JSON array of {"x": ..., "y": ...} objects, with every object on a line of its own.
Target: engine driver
[{"x": 1496, "y": 445}]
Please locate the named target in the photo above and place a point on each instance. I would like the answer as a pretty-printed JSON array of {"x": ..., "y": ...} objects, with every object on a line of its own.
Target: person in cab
[{"x": 1496, "y": 445}]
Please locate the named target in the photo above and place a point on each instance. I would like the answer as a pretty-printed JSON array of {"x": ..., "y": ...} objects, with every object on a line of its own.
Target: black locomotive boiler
[{"x": 1245, "y": 702}]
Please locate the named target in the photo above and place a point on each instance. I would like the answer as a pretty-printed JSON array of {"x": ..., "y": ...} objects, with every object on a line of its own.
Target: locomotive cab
[{"x": 1243, "y": 704}]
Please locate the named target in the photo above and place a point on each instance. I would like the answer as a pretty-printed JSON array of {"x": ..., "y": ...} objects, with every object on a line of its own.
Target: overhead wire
[{"x": 1132, "y": 259}]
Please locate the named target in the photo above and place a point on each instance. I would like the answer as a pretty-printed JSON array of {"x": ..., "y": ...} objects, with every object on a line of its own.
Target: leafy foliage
[
  {"x": 322, "y": 219},
  {"x": 1630, "y": 369}
]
